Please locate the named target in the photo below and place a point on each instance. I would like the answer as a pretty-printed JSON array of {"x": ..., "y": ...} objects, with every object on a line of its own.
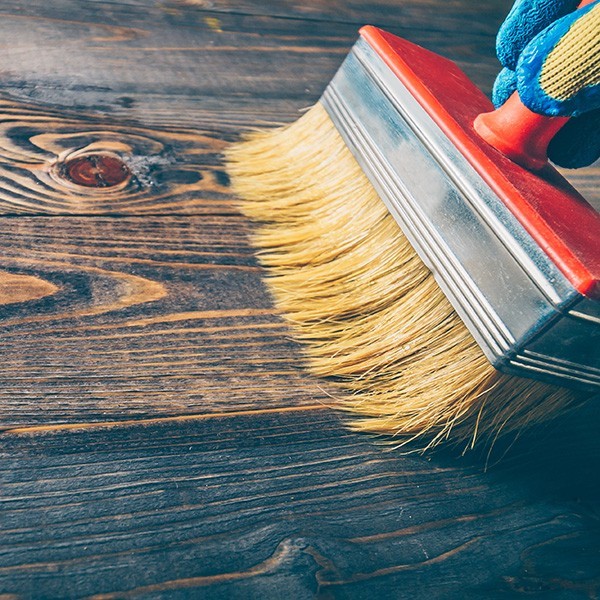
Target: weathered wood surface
[
  {"x": 159, "y": 435},
  {"x": 175, "y": 64},
  {"x": 283, "y": 503},
  {"x": 203, "y": 70},
  {"x": 135, "y": 316}
]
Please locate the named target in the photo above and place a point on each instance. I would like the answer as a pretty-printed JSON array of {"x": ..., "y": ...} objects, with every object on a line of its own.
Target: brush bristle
[{"x": 366, "y": 308}]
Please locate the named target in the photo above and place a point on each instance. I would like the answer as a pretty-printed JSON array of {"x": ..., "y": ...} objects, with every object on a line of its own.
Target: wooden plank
[
  {"x": 104, "y": 319},
  {"x": 160, "y": 436},
  {"x": 169, "y": 67},
  {"x": 248, "y": 507},
  {"x": 170, "y": 171},
  {"x": 120, "y": 66},
  {"x": 188, "y": 67},
  {"x": 459, "y": 15}
]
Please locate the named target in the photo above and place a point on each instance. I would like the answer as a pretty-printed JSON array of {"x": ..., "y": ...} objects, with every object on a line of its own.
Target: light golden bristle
[{"x": 366, "y": 308}]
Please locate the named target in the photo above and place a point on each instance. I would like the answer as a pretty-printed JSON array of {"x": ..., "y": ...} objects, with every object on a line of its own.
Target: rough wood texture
[
  {"x": 177, "y": 64},
  {"x": 138, "y": 317},
  {"x": 275, "y": 504},
  {"x": 159, "y": 437}
]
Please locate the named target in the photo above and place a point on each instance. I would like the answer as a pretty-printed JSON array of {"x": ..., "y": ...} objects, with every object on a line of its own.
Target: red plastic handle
[
  {"x": 562, "y": 223},
  {"x": 519, "y": 133}
]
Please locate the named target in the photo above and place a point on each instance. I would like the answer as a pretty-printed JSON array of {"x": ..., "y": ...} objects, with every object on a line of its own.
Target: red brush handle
[
  {"x": 562, "y": 223},
  {"x": 518, "y": 132}
]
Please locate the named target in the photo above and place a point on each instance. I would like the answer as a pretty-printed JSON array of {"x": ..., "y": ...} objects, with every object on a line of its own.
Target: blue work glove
[{"x": 551, "y": 55}]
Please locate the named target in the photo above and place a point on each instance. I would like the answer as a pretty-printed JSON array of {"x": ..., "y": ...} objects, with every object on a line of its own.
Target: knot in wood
[{"x": 96, "y": 170}]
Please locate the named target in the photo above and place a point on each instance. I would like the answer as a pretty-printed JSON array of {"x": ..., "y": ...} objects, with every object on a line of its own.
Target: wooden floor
[{"x": 160, "y": 437}]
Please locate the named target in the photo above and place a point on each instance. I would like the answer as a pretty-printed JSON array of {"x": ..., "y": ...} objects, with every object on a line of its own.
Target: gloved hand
[{"x": 551, "y": 55}]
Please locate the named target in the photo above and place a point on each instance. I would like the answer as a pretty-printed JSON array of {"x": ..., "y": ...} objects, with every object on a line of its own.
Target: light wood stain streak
[
  {"x": 408, "y": 567},
  {"x": 430, "y": 525},
  {"x": 165, "y": 369},
  {"x": 136, "y": 290},
  {"x": 251, "y": 339},
  {"x": 142, "y": 261},
  {"x": 206, "y": 314},
  {"x": 23, "y": 288},
  {"x": 230, "y": 329},
  {"x": 116, "y": 33},
  {"x": 277, "y": 560},
  {"x": 157, "y": 420}
]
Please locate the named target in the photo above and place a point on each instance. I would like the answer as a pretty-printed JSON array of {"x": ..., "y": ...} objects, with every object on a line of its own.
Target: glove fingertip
[
  {"x": 504, "y": 86},
  {"x": 509, "y": 44},
  {"x": 525, "y": 20}
]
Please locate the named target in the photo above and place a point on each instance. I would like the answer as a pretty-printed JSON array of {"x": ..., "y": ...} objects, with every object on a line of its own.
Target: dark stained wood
[
  {"x": 176, "y": 65},
  {"x": 277, "y": 504},
  {"x": 211, "y": 72},
  {"x": 173, "y": 171},
  {"x": 458, "y": 15},
  {"x": 158, "y": 434},
  {"x": 117, "y": 318}
]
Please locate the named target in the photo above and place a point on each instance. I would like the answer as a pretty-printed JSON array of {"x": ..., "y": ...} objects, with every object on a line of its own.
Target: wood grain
[
  {"x": 123, "y": 317},
  {"x": 159, "y": 437},
  {"x": 257, "y": 506},
  {"x": 199, "y": 78},
  {"x": 23, "y": 288},
  {"x": 172, "y": 171},
  {"x": 192, "y": 67}
]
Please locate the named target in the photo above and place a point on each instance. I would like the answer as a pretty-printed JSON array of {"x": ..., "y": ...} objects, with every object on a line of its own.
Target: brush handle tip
[{"x": 519, "y": 133}]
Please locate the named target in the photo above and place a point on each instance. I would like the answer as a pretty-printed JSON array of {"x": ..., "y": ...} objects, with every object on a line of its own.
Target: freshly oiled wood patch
[
  {"x": 278, "y": 504},
  {"x": 49, "y": 158},
  {"x": 139, "y": 317}
]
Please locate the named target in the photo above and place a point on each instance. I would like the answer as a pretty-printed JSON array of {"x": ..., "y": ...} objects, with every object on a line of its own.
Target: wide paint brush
[{"x": 450, "y": 290}]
